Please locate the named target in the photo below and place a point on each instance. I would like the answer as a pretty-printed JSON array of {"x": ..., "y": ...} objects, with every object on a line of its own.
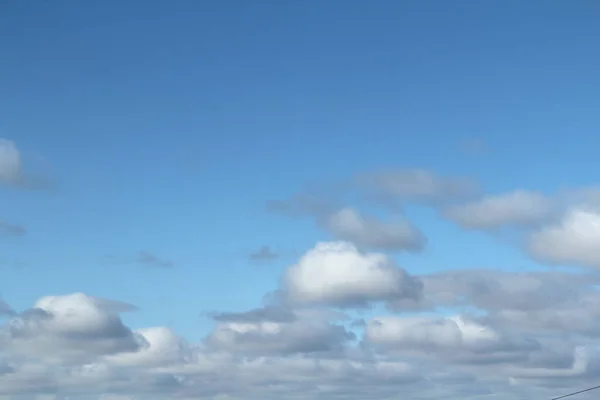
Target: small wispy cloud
[
  {"x": 301, "y": 204},
  {"x": 474, "y": 146},
  {"x": 263, "y": 254},
  {"x": 152, "y": 260},
  {"x": 13, "y": 173},
  {"x": 11, "y": 229}
]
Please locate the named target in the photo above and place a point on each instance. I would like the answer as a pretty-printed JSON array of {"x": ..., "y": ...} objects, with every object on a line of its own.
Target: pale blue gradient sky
[{"x": 169, "y": 125}]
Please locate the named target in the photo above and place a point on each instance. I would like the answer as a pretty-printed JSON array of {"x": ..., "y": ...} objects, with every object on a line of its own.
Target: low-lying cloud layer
[
  {"x": 513, "y": 335},
  {"x": 345, "y": 320}
]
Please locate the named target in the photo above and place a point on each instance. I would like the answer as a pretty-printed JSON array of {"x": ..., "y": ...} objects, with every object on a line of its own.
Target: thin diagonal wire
[{"x": 574, "y": 393}]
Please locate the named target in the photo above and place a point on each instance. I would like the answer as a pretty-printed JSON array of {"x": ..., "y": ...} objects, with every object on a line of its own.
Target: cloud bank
[
  {"x": 513, "y": 335},
  {"x": 346, "y": 320}
]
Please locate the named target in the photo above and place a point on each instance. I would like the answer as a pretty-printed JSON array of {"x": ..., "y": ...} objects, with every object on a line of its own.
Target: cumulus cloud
[
  {"x": 77, "y": 346},
  {"x": 265, "y": 332},
  {"x": 517, "y": 208},
  {"x": 338, "y": 274},
  {"x": 160, "y": 346},
  {"x": 70, "y": 328},
  {"x": 454, "y": 334},
  {"x": 536, "y": 302},
  {"x": 488, "y": 289},
  {"x": 348, "y": 224},
  {"x": 429, "y": 333},
  {"x": 572, "y": 241},
  {"x": 579, "y": 366},
  {"x": 459, "y": 338},
  {"x": 370, "y": 233}
]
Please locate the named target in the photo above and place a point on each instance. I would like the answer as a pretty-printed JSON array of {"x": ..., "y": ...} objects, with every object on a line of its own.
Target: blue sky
[{"x": 168, "y": 126}]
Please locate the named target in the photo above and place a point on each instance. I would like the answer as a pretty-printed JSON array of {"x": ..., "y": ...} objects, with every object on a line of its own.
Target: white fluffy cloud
[
  {"x": 337, "y": 274},
  {"x": 369, "y": 233},
  {"x": 573, "y": 241},
  {"x": 71, "y": 328},
  {"x": 458, "y": 338},
  {"x": 159, "y": 346},
  {"x": 449, "y": 333},
  {"x": 260, "y": 353},
  {"x": 267, "y": 333}
]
